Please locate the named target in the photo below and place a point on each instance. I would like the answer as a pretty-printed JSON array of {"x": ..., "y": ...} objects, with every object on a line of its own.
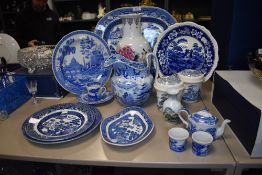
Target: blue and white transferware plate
[
  {"x": 126, "y": 128},
  {"x": 92, "y": 111},
  {"x": 154, "y": 21},
  {"x": 59, "y": 122},
  {"x": 186, "y": 46},
  {"x": 83, "y": 98},
  {"x": 78, "y": 60}
]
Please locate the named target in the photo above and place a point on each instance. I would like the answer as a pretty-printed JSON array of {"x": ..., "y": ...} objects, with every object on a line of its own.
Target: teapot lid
[
  {"x": 191, "y": 76},
  {"x": 204, "y": 116},
  {"x": 166, "y": 82}
]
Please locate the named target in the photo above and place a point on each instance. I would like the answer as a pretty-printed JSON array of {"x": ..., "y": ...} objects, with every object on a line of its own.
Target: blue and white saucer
[
  {"x": 83, "y": 98},
  {"x": 186, "y": 45}
]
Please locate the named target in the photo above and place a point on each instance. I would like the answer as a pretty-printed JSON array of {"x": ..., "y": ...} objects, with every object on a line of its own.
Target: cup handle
[
  {"x": 181, "y": 118},
  {"x": 103, "y": 90}
]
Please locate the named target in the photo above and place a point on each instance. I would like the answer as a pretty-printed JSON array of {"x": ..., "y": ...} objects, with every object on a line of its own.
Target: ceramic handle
[{"x": 181, "y": 118}]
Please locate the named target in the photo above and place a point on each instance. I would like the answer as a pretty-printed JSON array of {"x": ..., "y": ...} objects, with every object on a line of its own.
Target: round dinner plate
[
  {"x": 8, "y": 48},
  {"x": 186, "y": 45},
  {"x": 59, "y": 122},
  {"x": 78, "y": 60}
]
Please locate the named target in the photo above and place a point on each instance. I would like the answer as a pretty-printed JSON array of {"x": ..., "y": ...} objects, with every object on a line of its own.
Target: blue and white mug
[
  {"x": 201, "y": 142},
  {"x": 178, "y": 139}
]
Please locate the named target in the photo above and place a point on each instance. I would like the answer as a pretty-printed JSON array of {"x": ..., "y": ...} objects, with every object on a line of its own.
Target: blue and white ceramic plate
[
  {"x": 186, "y": 46},
  {"x": 59, "y": 122},
  {"x": 98, "y": 119},
  {"x": 154, "y": 21},
  {"x": 83, "y": 98},
  {"x": 78, "y": 60},
  {"x": 128, "y": 127}
]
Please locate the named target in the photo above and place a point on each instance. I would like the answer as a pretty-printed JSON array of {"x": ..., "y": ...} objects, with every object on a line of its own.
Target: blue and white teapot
[{"x": 204, "y": 121}]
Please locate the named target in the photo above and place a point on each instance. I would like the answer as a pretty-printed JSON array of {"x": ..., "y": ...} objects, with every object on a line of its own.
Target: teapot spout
[{"x": 221, "y": 129}]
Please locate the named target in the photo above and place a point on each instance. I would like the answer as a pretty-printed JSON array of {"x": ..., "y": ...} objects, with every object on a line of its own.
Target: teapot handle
[{"x": 187, "y": 114}]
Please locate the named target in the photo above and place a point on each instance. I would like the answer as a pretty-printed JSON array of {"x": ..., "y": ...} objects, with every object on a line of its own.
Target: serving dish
[
  {"x": 186, "y": 45},
  {"x": 128, "y": 127},
  {"x": 154, "y": 21},
  {"x": 78, "y": 60}
]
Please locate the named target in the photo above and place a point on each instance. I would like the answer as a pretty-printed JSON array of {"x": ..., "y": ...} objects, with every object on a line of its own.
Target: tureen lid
[
  {"x": 166, "y": 82},
  {"x": 204, "y": 116},
  {"x": 191, "y": 76}
]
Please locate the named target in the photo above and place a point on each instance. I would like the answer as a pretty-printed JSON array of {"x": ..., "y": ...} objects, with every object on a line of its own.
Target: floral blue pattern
[
  {"x": 78, "y": 60},
  {"x": 186, "y": 46},
  {"x": 128, "y": 127}
]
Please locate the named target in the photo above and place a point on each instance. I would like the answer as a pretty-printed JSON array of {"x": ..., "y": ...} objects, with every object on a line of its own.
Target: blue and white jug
[{"x": 132, "y": 81}]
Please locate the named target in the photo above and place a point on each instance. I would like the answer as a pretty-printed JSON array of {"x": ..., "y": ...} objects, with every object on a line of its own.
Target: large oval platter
[
  {"x": 186, "y": 46},
  {"x": 154, "y": 21},
  {"x": 128, "y": 127},
  {"x": 59, "y": 122},
  {"x": 78, "y": 60}
]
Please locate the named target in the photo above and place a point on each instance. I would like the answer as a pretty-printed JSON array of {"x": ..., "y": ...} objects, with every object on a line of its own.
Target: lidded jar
[
  {"x": 164, "y": 85},
  {"x": 193, "y": 80},
  {"x": 133, "y": 45}
]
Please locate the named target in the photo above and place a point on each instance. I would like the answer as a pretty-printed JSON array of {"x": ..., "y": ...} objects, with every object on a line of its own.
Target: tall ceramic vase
[{"x": 133, "y": 45}]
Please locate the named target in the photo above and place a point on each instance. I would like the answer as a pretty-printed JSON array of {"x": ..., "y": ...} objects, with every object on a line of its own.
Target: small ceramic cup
[
  {"x": 95, "y": 91},
  {"x": 178, "y": 139},
  {"x": 201, "y": 142},
  {"x": 193, "y": 80}
]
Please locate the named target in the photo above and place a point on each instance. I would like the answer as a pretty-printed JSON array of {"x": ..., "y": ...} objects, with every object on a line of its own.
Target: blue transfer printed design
[
  {"x": 191, "y": 93},
  {"x": 131, "y": 82},
  {"x": 177, "y": 145},
  {"x": 92, "y": 111},
  {"x": 185, "y": 47},
  {"x": 151, "y": 28},
  {"x": 59, "y": 122},
  {"x": 78, "y": 60},
  {"x": 154, "y": 12},
  {"x": 204, "y": 117},
  {"x": 200, "y": 150},
  {"x": 83, "y": 98},
  {"x": 125, "y": 129}
]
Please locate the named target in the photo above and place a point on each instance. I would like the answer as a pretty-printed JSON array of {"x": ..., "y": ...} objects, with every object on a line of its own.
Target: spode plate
[
  {"x": 59, "y": 122},
  {"x": 186, "y": 46},
  {"x": 78, "y": 60},
  {"x": 128, "y": 127},
  {"x": 154, "y": 21},
  {"x": 93, "y": 111},
  {"x": 8, "y": 48}
]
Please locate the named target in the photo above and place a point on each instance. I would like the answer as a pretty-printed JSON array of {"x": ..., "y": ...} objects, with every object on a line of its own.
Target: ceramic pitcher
[{"x": 132, "y": 81}]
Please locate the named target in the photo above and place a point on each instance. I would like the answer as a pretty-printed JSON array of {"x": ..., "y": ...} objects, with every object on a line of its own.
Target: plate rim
[
  {"x": 62, "y": 40},
  {"x": 146, "y": 134},
  {"x": 205, "y": 30}
]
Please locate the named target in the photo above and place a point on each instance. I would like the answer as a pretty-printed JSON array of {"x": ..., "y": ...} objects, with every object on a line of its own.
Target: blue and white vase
[{"x": 132, "y": 81}]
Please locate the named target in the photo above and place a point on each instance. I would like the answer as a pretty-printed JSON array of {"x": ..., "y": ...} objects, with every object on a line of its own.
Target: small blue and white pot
[
  {"x": 201, "y": 142},
  {"x": 178, "y": 139},
  {"x": 193, "y": 84}
]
